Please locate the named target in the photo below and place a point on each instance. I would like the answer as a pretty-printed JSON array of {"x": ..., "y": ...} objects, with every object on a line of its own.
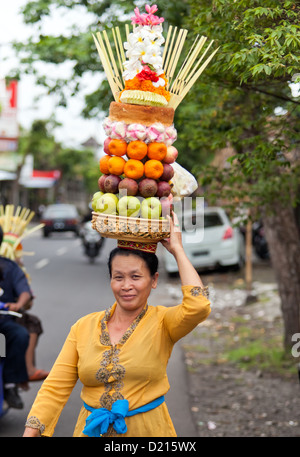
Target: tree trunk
[{"x": 283, "y": 240}]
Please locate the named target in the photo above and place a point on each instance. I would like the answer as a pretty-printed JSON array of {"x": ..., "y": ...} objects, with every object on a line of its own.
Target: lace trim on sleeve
[
  {"x": 34, "y": 422},
  {"x": 195, "y": 291}
]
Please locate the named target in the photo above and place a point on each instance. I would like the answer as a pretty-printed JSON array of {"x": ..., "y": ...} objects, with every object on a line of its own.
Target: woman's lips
[{"x": 127, "y": 297}]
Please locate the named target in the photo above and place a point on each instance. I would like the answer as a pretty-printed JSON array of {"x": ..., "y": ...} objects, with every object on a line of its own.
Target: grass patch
[
  {"x": 262, "y": 356},
  {"x": 248, "y": 344}
]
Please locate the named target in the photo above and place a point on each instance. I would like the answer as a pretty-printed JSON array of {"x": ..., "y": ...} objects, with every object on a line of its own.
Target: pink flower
[
  {"x": 146, "y": 19},
  {"x": 151, "y": 9}
]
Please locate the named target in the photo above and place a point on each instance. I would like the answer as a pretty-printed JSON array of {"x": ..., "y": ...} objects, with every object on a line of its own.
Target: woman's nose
[{"x": 126, "y": 284}]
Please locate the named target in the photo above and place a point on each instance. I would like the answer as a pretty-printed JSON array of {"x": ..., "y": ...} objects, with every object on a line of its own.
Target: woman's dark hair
[{"x": 150, "y": 259}]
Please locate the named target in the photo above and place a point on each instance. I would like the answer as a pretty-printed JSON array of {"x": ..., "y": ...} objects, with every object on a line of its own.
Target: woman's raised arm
[{"x": 187, "y": 273}]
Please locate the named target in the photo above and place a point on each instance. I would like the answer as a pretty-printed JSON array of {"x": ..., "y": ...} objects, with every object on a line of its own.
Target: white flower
[
  {"x": 153, "y": 57},
  {"x": 154, "y": 30},
  {"x": 147, "y": 34},
  {"x": 132, "y": 68},
  {"x": 133, "y": 40},
  {"x": 138, "y": 51},
  {"x": 160, "y": 82}
]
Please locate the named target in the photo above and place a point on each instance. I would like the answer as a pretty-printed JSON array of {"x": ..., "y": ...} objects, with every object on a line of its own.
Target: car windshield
[{"x": 62, "y": 211}]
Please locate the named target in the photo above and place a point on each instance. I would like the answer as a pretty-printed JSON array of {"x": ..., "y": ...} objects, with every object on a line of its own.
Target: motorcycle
[
  {"x": 92, "y": 241},
  {"x": 3, "y": 407}
]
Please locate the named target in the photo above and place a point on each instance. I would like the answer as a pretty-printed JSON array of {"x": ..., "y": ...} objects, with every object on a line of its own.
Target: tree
[
  {"x": 48, "y": 154},
  {"x": 251, "y": 107}
]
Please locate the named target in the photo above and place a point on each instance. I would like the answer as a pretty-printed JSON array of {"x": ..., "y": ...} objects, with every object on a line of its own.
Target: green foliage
[{"x": 246, "y": 83}]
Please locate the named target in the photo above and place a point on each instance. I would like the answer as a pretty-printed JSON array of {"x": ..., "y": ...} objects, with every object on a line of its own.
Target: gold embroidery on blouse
[
  {"x": 110, "y": 431},
  {"x": 111, "y": 373},
  {"x": 195, "y": 291},
  {"x": 34, "y": 422}
]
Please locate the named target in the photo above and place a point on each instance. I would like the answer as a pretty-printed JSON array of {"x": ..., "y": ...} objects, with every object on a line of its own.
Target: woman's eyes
[{"x": 118, "y": 278}]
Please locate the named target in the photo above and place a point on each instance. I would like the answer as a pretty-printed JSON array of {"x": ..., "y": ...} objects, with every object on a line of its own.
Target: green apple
[
  {"x": 129, "y": 206},
  {"x": 107, "y": 203},
  {"x": 151, "y": 208},
  {"x": 95, "y": 198}
]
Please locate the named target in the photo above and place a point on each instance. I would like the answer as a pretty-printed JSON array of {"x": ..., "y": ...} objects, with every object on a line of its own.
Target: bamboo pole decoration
[
  {"x": 178, "y": 84},
  {"x": 177, "y": 52},
  {"x": 15, "y": 229}
]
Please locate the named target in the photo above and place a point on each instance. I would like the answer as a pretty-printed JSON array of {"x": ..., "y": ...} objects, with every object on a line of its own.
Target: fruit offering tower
[{"x": 138, "y": 166}]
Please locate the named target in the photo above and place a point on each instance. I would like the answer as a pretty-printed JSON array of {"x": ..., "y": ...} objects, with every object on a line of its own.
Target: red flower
[{"x": 148, "y": 74}]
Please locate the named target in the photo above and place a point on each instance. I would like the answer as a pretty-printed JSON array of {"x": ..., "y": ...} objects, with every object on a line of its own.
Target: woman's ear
[{"x": 154, "y": 280}]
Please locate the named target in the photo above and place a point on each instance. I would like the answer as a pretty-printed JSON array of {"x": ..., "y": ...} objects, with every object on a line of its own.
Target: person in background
[{"x": 15, "y": 293}]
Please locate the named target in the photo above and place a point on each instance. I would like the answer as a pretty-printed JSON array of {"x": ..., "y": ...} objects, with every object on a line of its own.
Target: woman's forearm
[{"x": 187, "y": 273}]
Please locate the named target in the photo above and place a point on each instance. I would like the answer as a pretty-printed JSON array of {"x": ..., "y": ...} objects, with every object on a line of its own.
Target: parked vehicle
[
  {"x": 60, "y": 218},
  {"x": 209, "y": 240},
  {"x": 92, "y": 241}
]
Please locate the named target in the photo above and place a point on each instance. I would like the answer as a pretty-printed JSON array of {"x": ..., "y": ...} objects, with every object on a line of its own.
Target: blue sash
[{"x": 98, "y": 422}]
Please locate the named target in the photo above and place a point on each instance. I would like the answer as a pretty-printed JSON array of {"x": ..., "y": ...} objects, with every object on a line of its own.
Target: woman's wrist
[{"x": 31, "y": 432}]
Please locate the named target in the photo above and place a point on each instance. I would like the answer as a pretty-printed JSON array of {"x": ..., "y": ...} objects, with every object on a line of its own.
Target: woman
[{"x": 120, "y": 355}]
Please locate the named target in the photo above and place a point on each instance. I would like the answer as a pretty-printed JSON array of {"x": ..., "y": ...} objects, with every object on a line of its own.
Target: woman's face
[{"x": 131, "y": 282}]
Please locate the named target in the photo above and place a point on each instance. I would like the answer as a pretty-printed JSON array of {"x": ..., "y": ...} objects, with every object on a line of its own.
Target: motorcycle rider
[{"x": 15, "y": 293}]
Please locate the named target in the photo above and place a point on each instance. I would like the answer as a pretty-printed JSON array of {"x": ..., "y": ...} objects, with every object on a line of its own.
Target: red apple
[
  {"x": 171, "y": 155},
  {"x": 111, "y": 184},
  {"x": 128, "y": 185},
  {"x": 168, "y": 172},
  {"x": 105, "y": 146},
  {"x": 101, "y": 181},
  {"x": 163, "y": 189}
]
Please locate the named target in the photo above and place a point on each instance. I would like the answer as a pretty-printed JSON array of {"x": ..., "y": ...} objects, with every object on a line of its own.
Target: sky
[{"x": 75, "y": 130}]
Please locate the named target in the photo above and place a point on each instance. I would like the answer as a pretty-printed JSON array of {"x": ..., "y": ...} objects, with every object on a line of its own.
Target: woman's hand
[{"x": 174, "y": 243}]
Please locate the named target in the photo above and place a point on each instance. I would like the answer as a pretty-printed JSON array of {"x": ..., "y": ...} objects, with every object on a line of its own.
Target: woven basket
[{"x": 131, "y": 228}]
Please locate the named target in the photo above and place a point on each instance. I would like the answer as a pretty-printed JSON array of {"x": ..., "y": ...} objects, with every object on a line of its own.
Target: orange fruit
[
  {"x": 157, "y": 151},
  {"x": 103, "y": 164},
  {"x": 137, "y": 150},
  {"x": 116, "y": 165},
  {"x": 134, "y": 169},
  {"x": 117, "y": 147},
  {"x": 153, "y": 169}
]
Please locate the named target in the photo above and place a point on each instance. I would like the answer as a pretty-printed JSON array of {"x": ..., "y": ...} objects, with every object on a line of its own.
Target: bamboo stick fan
[
  {"x": 15, "y": 228},
  {"x": 178, "y": 84}
]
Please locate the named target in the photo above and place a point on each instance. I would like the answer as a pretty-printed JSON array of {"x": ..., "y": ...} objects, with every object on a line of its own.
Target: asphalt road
[{"x": 67, "y": 287}]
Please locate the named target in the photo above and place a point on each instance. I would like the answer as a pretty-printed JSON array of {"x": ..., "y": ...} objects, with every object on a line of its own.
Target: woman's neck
[{"x": 123, "y": 317}]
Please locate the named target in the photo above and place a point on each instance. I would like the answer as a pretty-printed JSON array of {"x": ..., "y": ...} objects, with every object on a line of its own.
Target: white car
[{"x": 209, "y": 240}]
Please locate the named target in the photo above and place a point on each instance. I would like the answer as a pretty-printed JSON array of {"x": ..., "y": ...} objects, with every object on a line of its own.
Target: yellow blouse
[{"x": 134, "y": 369}]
